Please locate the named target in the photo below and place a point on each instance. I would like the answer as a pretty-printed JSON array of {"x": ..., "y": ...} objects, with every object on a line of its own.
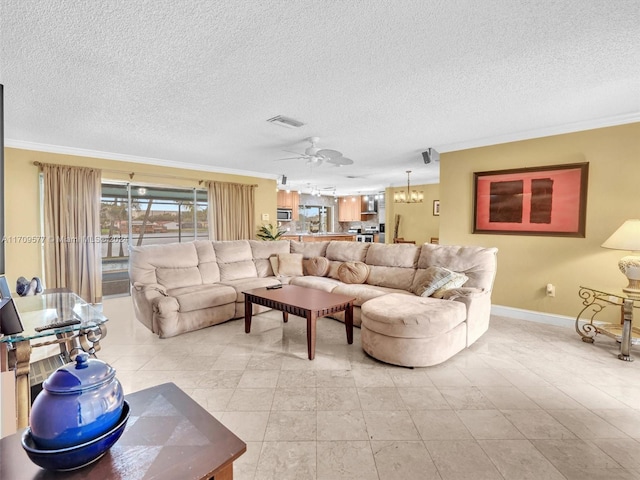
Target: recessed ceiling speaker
[{"x": 431, "y": 155}]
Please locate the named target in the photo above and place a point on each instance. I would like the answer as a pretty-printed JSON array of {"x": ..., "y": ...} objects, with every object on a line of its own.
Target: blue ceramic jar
[{"x": 79, "y": 402}]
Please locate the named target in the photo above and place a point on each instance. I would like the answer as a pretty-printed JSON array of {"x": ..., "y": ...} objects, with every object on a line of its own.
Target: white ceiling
[{"x": 192, "y": 82}]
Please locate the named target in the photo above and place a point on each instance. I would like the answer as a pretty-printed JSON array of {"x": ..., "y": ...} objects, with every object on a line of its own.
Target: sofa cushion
[
  {"x": 175, "y": 277},
  {"x": 243, "y": 284},
  {"x": 353, "y": 272},
  {"x": 364, "y": 292},
  {"x": 202, "y": 296},
  {"x": 462, "y": 292},
  {"x": 477, "y": 263},
  {"x": 428, "y": 280},
  {"x": 235, "y": 260},
  {"x": 316, "y": 266},
  {"x": 155, "y": 264},
  {"x": 289, "y": 265},
  {"x": 309, "y": 249},
  {"x": 393, "y": 255},
  {"x": 392, "y": 265},
  {"x": 262, "y": 252},
  {"x": 176, "y": 264},
  {"x": 347, "y": 251},
  {"x": 408, "y": 316},
  {"x": 207, "y": 263},
  {"x": 319, "y": 283}
]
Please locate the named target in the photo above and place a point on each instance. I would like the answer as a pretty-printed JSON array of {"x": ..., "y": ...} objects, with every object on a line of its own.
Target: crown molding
[
  {"x": 542, "y": 132},
  {"x": 157, "y": 162}
]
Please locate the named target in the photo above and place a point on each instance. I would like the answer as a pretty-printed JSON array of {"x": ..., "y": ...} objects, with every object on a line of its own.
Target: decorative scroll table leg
[
  {"x": 89, "y": 340},
  {"x": 625, "y": 343},
  {"x": 587, "y": 330},
  {"x": 19, "y": 358}
]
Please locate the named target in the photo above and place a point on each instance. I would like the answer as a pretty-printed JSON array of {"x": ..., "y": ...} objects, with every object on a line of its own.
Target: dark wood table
[
  {"x": 308, "y": 303},
  {"x": 168, "y": 436}
]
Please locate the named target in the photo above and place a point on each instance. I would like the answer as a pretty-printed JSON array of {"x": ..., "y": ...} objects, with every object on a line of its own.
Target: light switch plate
[{"x": 265, "y": 216}]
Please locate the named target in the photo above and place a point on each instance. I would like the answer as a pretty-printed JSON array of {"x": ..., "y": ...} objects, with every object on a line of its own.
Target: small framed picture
[{"x": 436, "y": 207}]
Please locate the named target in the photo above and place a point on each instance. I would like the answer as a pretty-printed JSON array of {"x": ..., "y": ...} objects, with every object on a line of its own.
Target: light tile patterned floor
[{"x": 527, "y": 401}]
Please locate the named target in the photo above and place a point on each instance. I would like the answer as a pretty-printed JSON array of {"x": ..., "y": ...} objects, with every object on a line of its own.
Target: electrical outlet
[{"x": 551, "y": 290}]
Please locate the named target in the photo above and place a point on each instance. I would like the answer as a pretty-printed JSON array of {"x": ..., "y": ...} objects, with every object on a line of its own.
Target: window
[
  {"x": 315, "y": 218},
  {"x": 144, "y": 215}
]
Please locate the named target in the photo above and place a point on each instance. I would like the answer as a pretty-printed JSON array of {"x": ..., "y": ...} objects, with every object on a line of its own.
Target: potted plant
[{"x": 269, "y": 232}]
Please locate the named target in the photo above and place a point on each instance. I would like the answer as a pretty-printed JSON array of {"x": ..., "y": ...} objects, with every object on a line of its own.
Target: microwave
[{"x": 285, "y": 214}]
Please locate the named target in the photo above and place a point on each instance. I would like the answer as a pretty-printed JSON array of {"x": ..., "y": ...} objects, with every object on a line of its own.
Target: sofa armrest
[
  {"x": 463, "y": 292},
  {"x": 146, "y": 288},
  {"x": 478, "y": 304}
]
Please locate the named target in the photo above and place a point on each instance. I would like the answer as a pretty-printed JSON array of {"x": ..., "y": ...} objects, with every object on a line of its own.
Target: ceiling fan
[{"x": 315, "y": 156}]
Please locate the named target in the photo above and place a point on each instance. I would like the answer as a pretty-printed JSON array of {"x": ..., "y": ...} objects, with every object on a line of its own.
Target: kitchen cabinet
[
  {"x": 289, "y": 200},
  {"x": 350, "y": 208}
]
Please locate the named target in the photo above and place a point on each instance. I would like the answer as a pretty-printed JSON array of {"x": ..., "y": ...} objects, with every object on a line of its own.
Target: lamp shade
[{"x": 627, "y": 237}]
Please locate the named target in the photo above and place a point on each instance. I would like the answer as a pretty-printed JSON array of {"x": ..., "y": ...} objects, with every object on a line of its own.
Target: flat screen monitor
[
  {"x": 10, "y": 322},
  {"x": 5, "y": 291}
]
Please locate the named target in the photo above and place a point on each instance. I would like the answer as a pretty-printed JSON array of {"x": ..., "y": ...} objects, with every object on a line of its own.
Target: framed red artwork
[{"x": 549, "y": 200}]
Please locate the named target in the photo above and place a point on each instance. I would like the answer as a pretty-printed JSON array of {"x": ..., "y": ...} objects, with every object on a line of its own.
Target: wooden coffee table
[{"x": 303, "y": 302}]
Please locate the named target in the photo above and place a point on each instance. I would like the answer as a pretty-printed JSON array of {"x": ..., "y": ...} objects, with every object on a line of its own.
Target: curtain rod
[{"x": 157, "y": 175}]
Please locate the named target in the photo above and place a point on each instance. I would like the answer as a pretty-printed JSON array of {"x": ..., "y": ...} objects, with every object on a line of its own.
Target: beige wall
[
  {"x": 417, "y": 221},
  {"x": 22, "y": 205},
  {"x": 527, "y": 263}
]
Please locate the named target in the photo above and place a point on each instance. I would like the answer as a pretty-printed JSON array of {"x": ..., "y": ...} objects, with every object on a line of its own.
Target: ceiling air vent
[{"x": 285, "y": 121}]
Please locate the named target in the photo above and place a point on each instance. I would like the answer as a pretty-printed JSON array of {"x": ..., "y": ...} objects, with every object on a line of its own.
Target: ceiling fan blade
[
  {"x": 289, "y": 158},
  {"x": 338, "y": 162},
  {"x": 328, "y": 153}
]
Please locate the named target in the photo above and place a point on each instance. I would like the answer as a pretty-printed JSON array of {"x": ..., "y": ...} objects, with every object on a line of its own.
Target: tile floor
[{"x": 527, "y": 401}]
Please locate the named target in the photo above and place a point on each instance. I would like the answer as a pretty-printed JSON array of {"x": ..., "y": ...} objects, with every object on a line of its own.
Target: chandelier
[{"x": 410, "y": 196}]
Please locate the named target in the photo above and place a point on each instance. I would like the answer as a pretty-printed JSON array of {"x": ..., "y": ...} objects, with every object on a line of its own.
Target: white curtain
[
  {"x": 72, "y": 230},
  {"x": 231, "y": 211}
]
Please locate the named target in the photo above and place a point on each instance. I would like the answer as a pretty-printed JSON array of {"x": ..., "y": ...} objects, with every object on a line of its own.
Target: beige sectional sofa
[{"x": 182, "y": 287}]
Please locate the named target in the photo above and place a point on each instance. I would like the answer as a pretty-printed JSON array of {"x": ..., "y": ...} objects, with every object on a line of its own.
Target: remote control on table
[
  {"x": 274, "y": 287},
  {"x": 57, "y": 324}
]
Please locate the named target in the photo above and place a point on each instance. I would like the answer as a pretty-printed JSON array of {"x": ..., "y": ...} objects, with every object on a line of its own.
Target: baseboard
[{"x": 533, "y": 316}]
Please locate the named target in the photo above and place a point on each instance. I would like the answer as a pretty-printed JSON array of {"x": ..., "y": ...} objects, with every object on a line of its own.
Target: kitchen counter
[{"x": 319, "y": 237}]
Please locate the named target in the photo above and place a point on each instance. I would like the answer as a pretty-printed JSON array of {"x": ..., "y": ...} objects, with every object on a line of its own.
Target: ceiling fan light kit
[{"x": 408, "y": 196}]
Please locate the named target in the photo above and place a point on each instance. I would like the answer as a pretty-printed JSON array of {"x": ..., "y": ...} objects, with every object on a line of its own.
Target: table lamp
[{"x": 627, "y": 237}]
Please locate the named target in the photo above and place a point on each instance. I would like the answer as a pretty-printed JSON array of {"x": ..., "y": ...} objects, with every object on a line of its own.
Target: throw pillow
[
  {"x": 456, "y": 281},
  {"x": 316, "y": 266},
  {"x": 353, "y": 272},
  {"x": 290, "y": 265},
  {"x": 430, "y": 279}
]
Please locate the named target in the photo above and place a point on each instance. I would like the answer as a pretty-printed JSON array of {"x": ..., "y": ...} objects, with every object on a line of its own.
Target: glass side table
[
  {"x": 40, "y": 310},
  {"x": 595, "y": 301}
]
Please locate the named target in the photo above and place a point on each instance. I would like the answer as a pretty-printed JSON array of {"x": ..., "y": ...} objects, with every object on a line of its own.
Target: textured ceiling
[{"x": 192, "y": 82}]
